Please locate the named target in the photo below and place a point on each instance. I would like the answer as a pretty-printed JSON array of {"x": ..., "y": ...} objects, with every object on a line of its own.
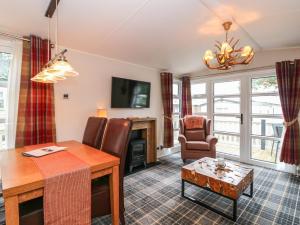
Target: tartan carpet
[{"x": 153, "y": 196}]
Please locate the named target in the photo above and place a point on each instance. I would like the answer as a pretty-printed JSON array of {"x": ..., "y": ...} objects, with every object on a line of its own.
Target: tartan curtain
[
  {"x": 186, "y": 99},
  {"x": 167, "y": 99},
  {"x": 36, "y": 117},
  {"x": 288, "y": 78}
]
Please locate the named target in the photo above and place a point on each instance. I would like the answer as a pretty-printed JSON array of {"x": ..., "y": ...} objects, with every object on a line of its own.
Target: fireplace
[{"x": 137, "y": 151}]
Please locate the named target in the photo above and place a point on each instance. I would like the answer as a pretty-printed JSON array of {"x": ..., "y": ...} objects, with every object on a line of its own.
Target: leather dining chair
[
  {"x": 115, "y": 142},
  {"x": 94, "y": 131}
]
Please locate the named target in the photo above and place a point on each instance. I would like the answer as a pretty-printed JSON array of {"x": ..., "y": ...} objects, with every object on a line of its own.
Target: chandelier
[
  {"x": 58, "y": 67},
  {"x": 227, "y": 54}
]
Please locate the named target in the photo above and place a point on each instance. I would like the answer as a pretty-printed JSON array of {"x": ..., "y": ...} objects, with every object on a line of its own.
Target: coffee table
[{"x": 230, "y": 182}]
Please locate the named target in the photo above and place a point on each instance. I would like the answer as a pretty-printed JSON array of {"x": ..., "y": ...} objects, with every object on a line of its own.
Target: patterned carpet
[{"x": 153, "y": 197}]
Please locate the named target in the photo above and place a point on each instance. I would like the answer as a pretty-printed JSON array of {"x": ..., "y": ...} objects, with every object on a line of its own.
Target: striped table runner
[{"x": 67, "y": 189}]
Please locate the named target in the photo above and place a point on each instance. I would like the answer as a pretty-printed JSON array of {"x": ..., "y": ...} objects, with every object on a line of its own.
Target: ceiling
[{"x": 163, "y": 34}]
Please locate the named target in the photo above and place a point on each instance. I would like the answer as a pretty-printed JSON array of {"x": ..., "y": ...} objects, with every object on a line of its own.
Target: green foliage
[{"x": 265, "y": 82}]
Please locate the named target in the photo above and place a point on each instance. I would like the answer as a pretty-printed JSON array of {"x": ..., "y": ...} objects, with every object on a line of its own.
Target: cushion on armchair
[
  {"x": 195, "y": 135},
  {"x": 197, "y": 145}
]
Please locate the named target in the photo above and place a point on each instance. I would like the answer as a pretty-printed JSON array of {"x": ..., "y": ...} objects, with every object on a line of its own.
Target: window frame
[
  {"x": 200, "y": 96},
  {"x": 179, "y": 83}
]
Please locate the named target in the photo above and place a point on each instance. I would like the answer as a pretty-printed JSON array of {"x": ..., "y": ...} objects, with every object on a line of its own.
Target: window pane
[
  {"x": 176, "y": 134},
  {"x": 176, "y": 122},
  {"x": 176, "y": 105},
  {"x": 199, "y": 105},
  {"x": 269, "y": 105},
  {"x": 175, "y": 89},
  {"x": 267, "y": 127},
  {"x": 5, "y": 60},
  {"x": 227, "y": 124},
  {"x": 198, "y": 89},
  {"x": 264, "y": 85},
  {"x": 265, "y": 150},
  {"x": 227, "y": 88},
  {"x": 228, "y": 144},
  {"x": 227, "y": 105}
]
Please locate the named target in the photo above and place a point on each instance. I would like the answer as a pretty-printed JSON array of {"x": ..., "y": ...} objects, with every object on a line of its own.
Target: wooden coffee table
[{"x": 230, "y": 182}]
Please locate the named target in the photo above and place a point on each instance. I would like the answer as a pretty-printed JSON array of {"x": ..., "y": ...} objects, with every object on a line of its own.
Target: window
[
  {"x": 10, "y": 70},
  {"x": 199, "y": 98},
  {"x": 176, "y": 108},
  {"x": 266, "y": 119}
]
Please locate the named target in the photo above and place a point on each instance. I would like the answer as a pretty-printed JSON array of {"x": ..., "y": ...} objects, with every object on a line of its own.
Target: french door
[
  {"x": 246, "y": 116},
  {"x": 227, "y": 116}
]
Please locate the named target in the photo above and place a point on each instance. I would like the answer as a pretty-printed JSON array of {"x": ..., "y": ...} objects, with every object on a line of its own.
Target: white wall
[{"x": 92, "y": 89}]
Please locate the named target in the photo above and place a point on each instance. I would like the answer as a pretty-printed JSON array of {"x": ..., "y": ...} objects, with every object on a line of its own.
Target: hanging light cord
[{"x": 56, "y": 33}]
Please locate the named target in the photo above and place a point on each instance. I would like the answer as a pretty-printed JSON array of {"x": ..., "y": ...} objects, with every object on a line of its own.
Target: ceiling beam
[{"x": 51, "y": 8}]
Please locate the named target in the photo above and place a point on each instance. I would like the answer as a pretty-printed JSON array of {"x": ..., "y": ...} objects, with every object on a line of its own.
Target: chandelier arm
[
  {"x": 218, "y": 47},
  {"x": 231, "y": 39},
  {"x": 235, "y": 43}
]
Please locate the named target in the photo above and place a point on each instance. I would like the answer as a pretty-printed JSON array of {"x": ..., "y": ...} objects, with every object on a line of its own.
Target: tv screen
[{"x": 127, "y": 93}]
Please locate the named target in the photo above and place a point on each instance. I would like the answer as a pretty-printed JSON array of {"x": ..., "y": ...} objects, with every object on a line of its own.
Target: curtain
[
  {"x": 186, "y": 99},
  {"x": 36, "y": 117},
  {"x": 167, "y": 99},
  {"x": 288, "y": 78}
]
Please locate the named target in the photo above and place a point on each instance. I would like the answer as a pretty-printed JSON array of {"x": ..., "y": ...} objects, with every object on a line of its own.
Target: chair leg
[{"x": 122, "y": 217}]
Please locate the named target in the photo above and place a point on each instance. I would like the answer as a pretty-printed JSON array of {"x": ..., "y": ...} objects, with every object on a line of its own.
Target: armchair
[{"x": 196, "y": 143}]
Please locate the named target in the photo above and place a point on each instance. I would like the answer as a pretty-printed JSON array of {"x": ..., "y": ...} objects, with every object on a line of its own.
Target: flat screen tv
[{"x": 127, "y": 93}]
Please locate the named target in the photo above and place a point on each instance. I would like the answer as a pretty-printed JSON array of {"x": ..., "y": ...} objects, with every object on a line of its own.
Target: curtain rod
[
  {"x": 231, "y": 72},
  {"x": 14, "y": 36}
]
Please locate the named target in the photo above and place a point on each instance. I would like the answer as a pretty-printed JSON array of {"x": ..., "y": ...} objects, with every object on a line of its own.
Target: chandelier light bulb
[
  {"x": 208, "y": 55},
  {"x": 247, "y": 50}
]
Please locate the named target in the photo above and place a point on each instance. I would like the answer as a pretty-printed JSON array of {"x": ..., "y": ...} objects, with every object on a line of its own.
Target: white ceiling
[{"x": 163, "y": 34}]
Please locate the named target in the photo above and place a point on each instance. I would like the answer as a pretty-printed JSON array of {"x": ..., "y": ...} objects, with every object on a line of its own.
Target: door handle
[{"x": 242, "y": 118}]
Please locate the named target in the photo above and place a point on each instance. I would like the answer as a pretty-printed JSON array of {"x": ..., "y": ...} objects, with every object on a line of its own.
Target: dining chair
[
  {"x": 94, "y": 131},
  {"x": 115, "y": 142}
]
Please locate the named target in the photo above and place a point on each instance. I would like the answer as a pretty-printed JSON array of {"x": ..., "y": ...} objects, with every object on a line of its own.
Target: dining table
[{"x": 23, "y": 181}]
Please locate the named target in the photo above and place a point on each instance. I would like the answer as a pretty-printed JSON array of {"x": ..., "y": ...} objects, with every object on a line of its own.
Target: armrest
[
  {"x": 182, "y": 139},
  {"x": 211, "y": 140}
]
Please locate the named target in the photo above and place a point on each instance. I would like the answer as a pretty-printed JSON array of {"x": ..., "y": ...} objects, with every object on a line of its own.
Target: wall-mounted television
[{"x": 127, "y": 93}]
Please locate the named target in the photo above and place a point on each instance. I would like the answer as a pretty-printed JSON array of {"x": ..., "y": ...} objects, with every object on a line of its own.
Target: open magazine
[{"x": 43, "y": 151}]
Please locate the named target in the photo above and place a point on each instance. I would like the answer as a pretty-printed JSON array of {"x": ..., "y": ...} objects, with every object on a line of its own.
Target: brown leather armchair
[
  {"x": 197, "y": 143},
  {"x": 94, "y": 131}
]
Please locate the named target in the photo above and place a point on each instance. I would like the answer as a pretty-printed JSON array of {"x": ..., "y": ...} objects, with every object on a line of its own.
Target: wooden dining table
[{"x": 23, "y": 181}]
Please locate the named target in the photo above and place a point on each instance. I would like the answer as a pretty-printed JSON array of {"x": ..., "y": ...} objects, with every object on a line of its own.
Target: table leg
[
  {"x": 11, "y": 210},
  {"x": 251, "y": 190},
  {"x": 114, "y": 195},
  {"x": 234, "y": 210}
]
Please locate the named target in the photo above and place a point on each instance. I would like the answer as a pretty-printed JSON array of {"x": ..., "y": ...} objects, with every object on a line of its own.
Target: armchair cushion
[
  {"x": 195, "y": 135},
  {"x": 197, "y": 145}
]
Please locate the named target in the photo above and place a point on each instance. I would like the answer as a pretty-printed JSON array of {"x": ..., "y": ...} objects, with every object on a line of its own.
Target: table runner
[{"x": 67, "y": 189}]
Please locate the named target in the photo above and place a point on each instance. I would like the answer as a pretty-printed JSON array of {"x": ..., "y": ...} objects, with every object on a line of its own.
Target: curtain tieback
[
  {"x": 168, "y": 117},
  {"x": 290, "y": 123}
]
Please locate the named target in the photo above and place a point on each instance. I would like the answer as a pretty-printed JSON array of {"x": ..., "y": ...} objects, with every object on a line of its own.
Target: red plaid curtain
[
  {"x": 186, "y": 106},
  {"x": 167, "y": 99},
  {"x": 36, "y": 117},
  {"x": 288, "y": 78}
]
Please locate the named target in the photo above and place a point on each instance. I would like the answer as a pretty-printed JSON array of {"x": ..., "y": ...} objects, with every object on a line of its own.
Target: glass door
[
  {"x": 227, "y": 116},
  {"x": 266, "y": 119}
]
